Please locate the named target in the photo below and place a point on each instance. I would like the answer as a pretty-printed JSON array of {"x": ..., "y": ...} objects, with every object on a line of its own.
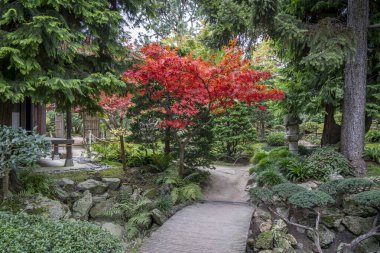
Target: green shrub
[
  {"x": 261, "y": 194},
  {"x": 309, "y": 127},
  {"x": 276, "y": 139},
  {"x": 109, "y": 151},
  {"x": 258, "y": 157},
  {"x": 20, "y": 148},
  {"x": 252, "y": 149},
  {"x": 270, "y": 178},
  {"x": 325, "y": 161},
  {"x": 311, "y": 199},
  {"x": 159, "y": 162},
  {"x": 286, "y": 190},
  {"x": 330, "y": 187},
  {"x": 368, "y": 198},
  {"x": 28, "y": 233},
  {"x": 372, "y": 153},
  {"x": 34, "y": 182},
  {"x": 373, "y": 136},
  {"x": 353, "y": 185},
  {"x": 304, "y": 151}
]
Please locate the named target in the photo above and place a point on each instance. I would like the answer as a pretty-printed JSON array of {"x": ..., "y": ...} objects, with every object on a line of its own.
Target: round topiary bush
[
  {"x": 276, "y": 139},
  {"x": 262, "y": 194},
  {"x": 28, "y": 233},
  {"x": 311, "y": 199},
  {"x": 286, "y": 190},
  {"x": 369, "y": 198},
  {"x": 353, "y": 185},
  {"x": 330, "y": 187},
  {"x": 325, "y": 161}
]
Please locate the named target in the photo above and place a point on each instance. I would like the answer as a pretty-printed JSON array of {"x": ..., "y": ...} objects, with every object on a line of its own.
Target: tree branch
[{"x": 374, "y": 26}]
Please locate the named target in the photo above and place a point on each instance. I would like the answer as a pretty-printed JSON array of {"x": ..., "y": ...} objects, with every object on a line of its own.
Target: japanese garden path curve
[{"x": 220, "y": 224}]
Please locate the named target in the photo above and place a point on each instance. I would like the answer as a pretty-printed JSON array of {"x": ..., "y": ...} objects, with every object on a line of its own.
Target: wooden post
[{"x": 69, "y": 151}]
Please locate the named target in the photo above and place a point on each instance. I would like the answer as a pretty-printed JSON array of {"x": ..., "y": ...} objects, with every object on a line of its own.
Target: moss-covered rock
[
  {"x": 265, "y": 240},
  {"x": 351, "y": 207},
  {"x": 326, "y": 236},
  {"x": 357, "y": 225}
]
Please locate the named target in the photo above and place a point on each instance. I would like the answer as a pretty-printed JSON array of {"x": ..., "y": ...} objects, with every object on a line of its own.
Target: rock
[
  {"x": 336, "y": 176},
  {"x": 350, "y": 208},
  {"x": 61, "y": 194},
  {"x": 357, "y": 225},
  {"x": 99, "y": 210},
  {"x": 47, "y": 207},
  {"x": 369, "y": 245},
  {"x": 280, "y": 225},
  {"x": 265, "y": 225},
  {"x": 65, "y": 183},
  {"x": 332, "y": 218},
  {"x": 94, "y": 186},
  {"x": 280, "y": 242},
  {"x": 310, "y": 185},
  {"x": 136, "y": 194},
  {"x": 112, "y": 183},
  {"x": 158, "y": 217},
  {"x": 100, "y": 198},
  {"x": 326, "y": 236},
  {"x": 281, "y": 250},
  {"x": 82, "y": 206},
  {"x": 291, "y": 239},
  {"x": 127, "y": 189},
  {"x": 283, "y": 211},
  {"x": 262, "y": 214},
  {"x": 266, "y": 251},
  {"x": 265, "y": 240},
  {"x": 114, "y": 229}
]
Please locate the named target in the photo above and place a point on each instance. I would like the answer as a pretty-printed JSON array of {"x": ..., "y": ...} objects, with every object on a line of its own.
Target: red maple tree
[
  {"x": 116, "y": 107},
  {"x": 193, "y": 87}
]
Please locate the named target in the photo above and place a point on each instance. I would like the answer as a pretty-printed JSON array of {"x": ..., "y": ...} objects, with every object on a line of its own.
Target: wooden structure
[
  {"x": 91, "y": 122},
  {"x": 26, "y": 114}
]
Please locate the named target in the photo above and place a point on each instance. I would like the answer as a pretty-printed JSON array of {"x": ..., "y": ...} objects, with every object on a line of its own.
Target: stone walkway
[{"x": 210, "y": 227}]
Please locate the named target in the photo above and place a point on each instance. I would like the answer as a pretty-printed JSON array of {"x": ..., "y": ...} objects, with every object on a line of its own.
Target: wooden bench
[{"x": 56, "y": 142}]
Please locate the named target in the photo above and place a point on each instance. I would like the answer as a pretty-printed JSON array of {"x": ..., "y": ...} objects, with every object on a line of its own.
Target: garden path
[{"x": 220, "y": 224}]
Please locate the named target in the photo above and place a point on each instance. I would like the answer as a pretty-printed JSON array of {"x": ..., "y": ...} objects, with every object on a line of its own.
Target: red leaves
[
  {"x": 116, "y": 104},
  {"x": 196, "y": 85}
]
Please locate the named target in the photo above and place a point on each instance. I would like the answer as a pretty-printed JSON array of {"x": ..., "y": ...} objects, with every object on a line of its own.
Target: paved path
[{"x": 210, "y": 227}]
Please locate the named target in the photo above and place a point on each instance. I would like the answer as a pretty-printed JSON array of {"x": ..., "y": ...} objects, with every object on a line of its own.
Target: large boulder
[
  {"x": 351, "y": 208},
  {"x": 280, "y": 226},
  {"x": 112, "y": 183},
  {"x": 94, "y": 186},
  {"x": 66, "y": 183},
  {"x": 114, "y": 229},
  {"x": 82, "y": 206},
  {"x": 100, "y": 209},
  {"x": 332, "y": 218},
  {"x": 158, "y": 217},
  {"x": 265, "y": 240},
  {"x": 100, "y": 198},
  {"x": 326, "y": 236},
  {"x": 47, "y": 207},
  {"x": 357, "y": 225}
]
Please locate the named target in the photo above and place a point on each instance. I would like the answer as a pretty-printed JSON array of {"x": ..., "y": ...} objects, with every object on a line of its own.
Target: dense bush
[
  {"x": 259, "y": 156},
  {"x": 353, "y": 185},
  {"x": 269, "y": 178},
  {"x": 20, "y": 149},
  {"x": 286, "y": 190},
  {"x": 311, "y": 199},
  {"x": 34, "y": 182},
  {"x": 252, "y": 149},
  {"x": 309, "y": 127},
  {"x": 368, "y": 198},
  {"x": 325, "y": 161},
  {"x": 372, "y": 153},
  {"x": 276, "y": 139},
  {"x": 330, "y": 187},
  {"x": 109, "y": 151},
  {"x": 373, "y": 136},
  {"x": 23, "y": 233}
]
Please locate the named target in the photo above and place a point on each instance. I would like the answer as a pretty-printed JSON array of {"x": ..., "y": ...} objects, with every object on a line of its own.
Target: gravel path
[{"x": 219, "y": 225}]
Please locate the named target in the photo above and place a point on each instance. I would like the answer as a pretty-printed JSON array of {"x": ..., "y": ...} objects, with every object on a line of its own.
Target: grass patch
[{"x": 373, "y": 169}]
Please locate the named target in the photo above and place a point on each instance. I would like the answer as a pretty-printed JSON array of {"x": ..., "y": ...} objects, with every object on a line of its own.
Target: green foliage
[
  {"x": 330, "y": 187},
  {"x": 276, "y": 139},
  {"x": 309, "y": 127},
  {"x": 34, "y": 182},
  {"x": 368, "y": 198},
  {"x": 261, "y": 194},
  {"x": 233, "y": 129},
  {"x": 258, "y": 157},
  {"x": 23, "y": 233},
  {"x": 353, "y": 185},
  {"x": 372, "y": 153},
  {"x": 159, "y": 162},
  {"x": 252, "y": 149},
  {"x": 311, "y": 199},
  {"x": 270, "y": 178},
  {"x": 109, "y": 151},
  {"x": 286, "y": 190},
  {"x": 20, "y": 149},
  {"x": 187, "y": 192},
  {"x": 325, "y": 161},
  {"x": 373, "y": 136}
]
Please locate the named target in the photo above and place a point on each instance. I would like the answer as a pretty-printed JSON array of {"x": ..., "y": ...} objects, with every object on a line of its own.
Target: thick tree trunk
[
  {"x": 331, "y": 130},
  {"x": 167, "y": 137},
  {"x": 181, "y": 165},
  {"x": 352, "y": 139}
]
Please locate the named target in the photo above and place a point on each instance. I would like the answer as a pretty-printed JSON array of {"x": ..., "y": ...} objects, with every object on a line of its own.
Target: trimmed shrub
[
  {"x": 258, "y": 157},
  {"x": 276, "y": 139},
  {"x": 286, "y": 190},
  {"x": 28, "y": 233},
  {"x": 261, "y": 194},
  {"x": 368, "y": 198},
  {"x": 270, "y": 178},
  {"x": 311, "y": 199},
  {"x": 330, "y": 187},
  {"x": 325, "y": 161},
  {"x": 373, "y": 136},
  {"x": 353, "y": 185}
]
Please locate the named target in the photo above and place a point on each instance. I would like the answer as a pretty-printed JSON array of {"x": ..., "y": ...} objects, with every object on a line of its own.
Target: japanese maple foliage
[{"x": 196, "y": 85}]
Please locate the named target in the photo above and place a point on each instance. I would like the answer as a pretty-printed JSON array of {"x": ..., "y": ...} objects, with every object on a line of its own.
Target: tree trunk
[
  {"x": 167, "y": 136},
  {"x": 352, "y": 138},
  {"x": 331, "y": 130},
  {"x": 122, "y": 155},
  {"x": 69, "y": 162},
  {"x": 5, "y": 185},
  {"x": 181, "y": 165}
]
